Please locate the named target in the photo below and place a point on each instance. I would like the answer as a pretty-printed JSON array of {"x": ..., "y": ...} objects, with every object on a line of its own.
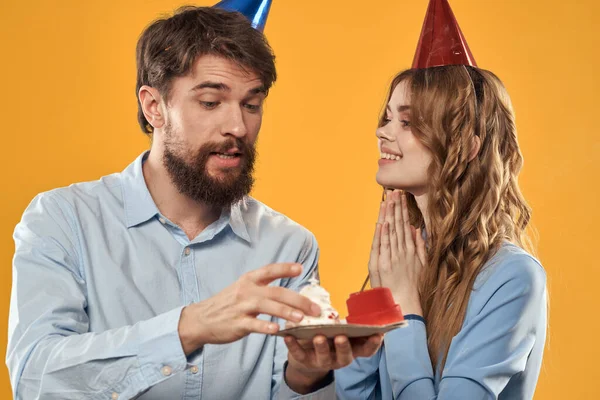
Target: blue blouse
[{"x": 496, "y": 355}]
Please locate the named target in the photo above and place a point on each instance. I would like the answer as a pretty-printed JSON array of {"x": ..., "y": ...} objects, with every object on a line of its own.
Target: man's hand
[
  {"x": 231, "y": 314},
  {"x": 309, "y": 362}
]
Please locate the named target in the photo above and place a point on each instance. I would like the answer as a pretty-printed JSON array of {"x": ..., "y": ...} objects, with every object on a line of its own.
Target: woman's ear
[{"x": 475, "y": 147}]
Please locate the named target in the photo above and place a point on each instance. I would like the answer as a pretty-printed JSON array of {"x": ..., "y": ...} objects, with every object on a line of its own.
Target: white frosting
[{"x": 318, "y": 295}]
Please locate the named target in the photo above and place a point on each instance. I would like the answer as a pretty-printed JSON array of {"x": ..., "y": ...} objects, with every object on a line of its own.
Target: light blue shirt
[
  {"x": 99, "y": 281},
  {"x": 496, "y": 355}
]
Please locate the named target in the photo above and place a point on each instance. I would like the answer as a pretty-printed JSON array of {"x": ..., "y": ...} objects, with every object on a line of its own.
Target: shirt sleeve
[
  {"x": 491, "y": 347},
  {"x": 359, "y": 380},
  {"x": 51, "y": 353},
  {"x": 309, "y": 258}
]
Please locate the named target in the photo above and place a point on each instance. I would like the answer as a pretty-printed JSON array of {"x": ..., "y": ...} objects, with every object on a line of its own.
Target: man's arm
[
  {"x": 51, "y": 352},
  {"x": 323, "y": 387}
]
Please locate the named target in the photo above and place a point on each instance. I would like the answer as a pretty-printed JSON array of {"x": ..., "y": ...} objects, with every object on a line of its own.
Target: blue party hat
[{"x": 256, "y": 11}]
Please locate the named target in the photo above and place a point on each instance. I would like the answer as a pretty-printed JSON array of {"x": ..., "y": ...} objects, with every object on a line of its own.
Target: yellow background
[{"x": 68, "y": 110}]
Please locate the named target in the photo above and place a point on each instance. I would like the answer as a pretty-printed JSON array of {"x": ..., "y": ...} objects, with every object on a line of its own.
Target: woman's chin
[{"x": 386, "y": 182}]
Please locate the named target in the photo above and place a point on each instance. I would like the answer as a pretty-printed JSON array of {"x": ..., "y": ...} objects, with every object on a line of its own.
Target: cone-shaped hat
[
  {"x": 256, "y": 11},
  {"x": 441, "y": 42}
]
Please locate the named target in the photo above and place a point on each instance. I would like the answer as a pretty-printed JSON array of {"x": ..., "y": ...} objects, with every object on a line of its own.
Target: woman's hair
[{"x": 473, "y": 206}]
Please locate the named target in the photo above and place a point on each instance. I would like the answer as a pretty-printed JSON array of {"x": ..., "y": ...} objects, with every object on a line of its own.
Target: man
[{"x": 163, "y": 281}]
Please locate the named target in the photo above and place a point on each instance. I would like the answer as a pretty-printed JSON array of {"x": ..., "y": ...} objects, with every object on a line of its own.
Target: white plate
[{"x": 331, "y": 331}]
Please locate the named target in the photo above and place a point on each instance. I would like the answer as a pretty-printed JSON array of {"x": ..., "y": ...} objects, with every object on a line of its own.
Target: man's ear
[{"x": 150, "y": 100}]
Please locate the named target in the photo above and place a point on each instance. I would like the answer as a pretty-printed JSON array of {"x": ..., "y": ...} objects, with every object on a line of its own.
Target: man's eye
[
  {"x": 252, "y": 107},
  {"x": 209, "y": 104}
]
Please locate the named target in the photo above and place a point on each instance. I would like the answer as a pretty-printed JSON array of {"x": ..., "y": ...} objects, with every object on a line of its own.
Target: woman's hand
[{"x": 397, "y": 254}]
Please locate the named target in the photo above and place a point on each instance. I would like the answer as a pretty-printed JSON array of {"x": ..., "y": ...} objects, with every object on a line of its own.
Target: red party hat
[{"x": 441, "y": 42}]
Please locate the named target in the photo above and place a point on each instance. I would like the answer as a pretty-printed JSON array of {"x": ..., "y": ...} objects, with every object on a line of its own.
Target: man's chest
[{"x": 133, "y": 277}]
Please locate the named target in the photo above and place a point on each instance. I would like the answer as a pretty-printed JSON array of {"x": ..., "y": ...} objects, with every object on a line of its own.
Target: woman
[{"x": 450, "y": 247}]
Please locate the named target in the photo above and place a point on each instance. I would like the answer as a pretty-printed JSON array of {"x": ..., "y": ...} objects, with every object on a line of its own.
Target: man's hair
[{"x": 168, "y": 48}]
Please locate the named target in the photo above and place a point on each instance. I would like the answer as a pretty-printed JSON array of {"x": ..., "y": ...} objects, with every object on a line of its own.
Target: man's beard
[{"x": 189, "y": 174}]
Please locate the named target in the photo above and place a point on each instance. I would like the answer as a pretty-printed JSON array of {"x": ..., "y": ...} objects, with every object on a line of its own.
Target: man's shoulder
[
  {"x": 69, "y": 209},
  {"x": 88, "y": 194},
  {"x": 260, "y": 217},
  {"x": 294, "y": 242},
  {"x": 100, "y": 189}
]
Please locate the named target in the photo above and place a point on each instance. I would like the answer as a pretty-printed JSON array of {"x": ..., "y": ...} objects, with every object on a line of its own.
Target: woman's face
[{"x": 403, "y": 161}]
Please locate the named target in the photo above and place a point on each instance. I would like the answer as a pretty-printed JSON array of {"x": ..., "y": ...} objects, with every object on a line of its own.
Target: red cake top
[{"x": 373, "y": 307}]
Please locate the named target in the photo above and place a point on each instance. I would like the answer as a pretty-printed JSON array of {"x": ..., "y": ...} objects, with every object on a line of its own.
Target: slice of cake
[{"x": 318, "y": 295}]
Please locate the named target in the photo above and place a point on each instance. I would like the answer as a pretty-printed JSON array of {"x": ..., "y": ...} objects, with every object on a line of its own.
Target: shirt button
[
  {"x": 194, "y": 369},
  {"x": 187, "y": 251},
  {"x": 166, "y": 371},
  {"x": 114, "y": 396},
  {"x": 162, "y": 220}
]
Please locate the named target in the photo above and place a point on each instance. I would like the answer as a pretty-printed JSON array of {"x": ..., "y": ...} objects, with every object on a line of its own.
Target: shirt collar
[
  {"x": 236, "y": 220},
  {"x": 140, "y": 207},
  {"x": 138, "y": 203}
]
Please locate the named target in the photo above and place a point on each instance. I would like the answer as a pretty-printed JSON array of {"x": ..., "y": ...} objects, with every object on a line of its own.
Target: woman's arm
[{"x": 493, "y": 345}]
